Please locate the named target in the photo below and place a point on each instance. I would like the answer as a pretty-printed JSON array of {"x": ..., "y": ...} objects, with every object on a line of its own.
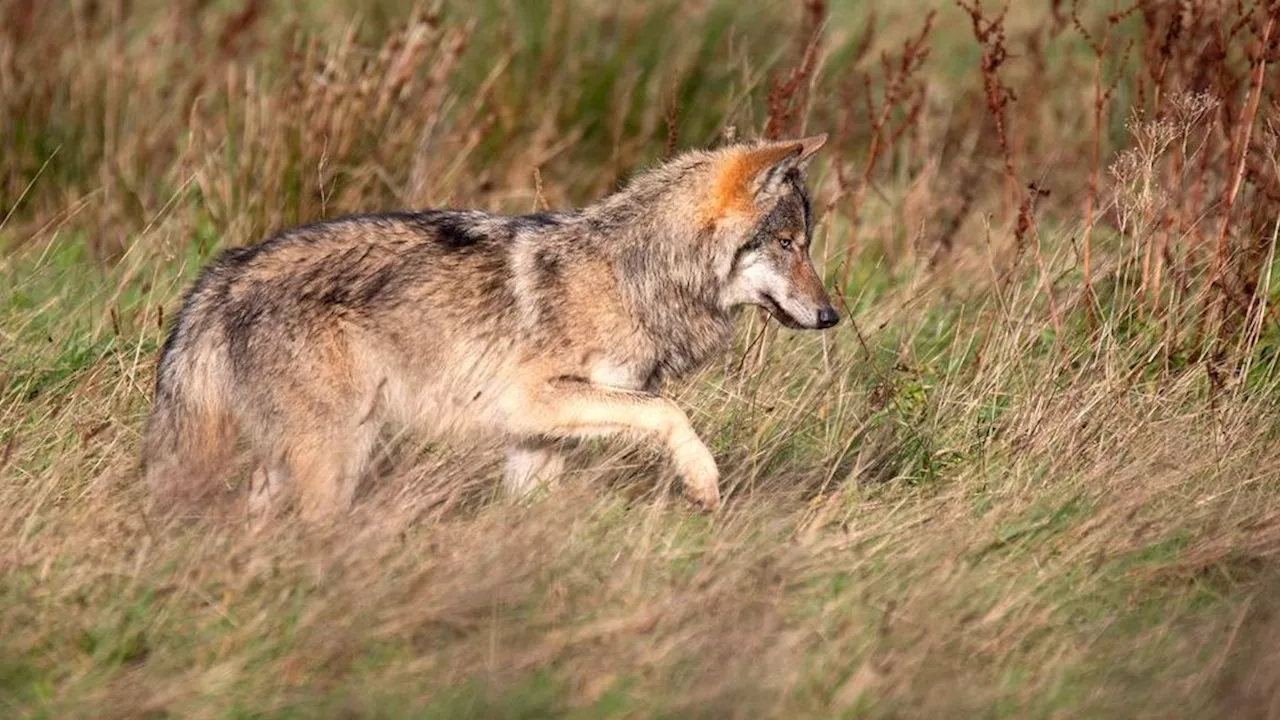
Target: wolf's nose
[{"x": 827, "y": 317}]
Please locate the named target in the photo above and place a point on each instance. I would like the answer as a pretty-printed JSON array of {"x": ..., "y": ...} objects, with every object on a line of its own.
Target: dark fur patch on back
[
  {"x": 452, "y": 229},
  {"x": 455, "y": 234},
  {"x": 240, "y": 318},
  {"x": 548, "y": 266},
  {"x": 537, "y": 221}
]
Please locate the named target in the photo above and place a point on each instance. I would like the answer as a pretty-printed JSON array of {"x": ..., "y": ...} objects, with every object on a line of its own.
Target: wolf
[{"x": 529, "y": 329}]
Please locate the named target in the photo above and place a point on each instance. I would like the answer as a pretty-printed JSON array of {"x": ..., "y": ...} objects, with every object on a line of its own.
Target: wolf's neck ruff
[
  {"x": 679, "y": 311},
  {"x": 667, "y": 263}
]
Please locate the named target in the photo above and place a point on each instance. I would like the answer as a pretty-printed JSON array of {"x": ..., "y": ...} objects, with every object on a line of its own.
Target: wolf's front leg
[
  {"x": 576, "y": 409},
  {"x": 695, "y": 463}
]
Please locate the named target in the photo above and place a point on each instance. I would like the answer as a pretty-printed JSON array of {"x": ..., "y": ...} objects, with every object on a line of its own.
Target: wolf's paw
[
  {"x": 701, "y": 476},
  {"x": 708, "y": 498}
]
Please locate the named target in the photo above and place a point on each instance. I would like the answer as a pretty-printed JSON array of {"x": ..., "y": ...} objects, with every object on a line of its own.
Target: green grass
[
  {"x": 959, "y": 529},
  {"x": 973, "y": 498}
]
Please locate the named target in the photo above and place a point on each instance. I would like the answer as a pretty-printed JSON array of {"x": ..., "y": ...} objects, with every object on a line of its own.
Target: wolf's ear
[
  {"x": 782, "y": 159},
  {"x": 809, "y": 147},
  {"x": 752, "y": 175}
]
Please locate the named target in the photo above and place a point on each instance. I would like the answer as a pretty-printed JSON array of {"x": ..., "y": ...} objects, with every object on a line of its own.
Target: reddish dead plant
[
  {"x": 990, "y": 34},
  {"x": 902, "y": 92},
  {"x": 785, "y": 99},
  {"x": 1240, "y": 149}
]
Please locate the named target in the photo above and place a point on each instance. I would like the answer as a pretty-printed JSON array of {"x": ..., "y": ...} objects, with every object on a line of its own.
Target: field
[{"x": 1034, "y": 473}]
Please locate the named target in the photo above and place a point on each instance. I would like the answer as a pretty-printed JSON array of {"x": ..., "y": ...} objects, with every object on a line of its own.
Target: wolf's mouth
[{"x": 781, "y": 315}]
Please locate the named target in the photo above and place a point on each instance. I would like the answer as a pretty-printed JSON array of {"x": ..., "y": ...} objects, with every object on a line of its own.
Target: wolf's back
[{"x": 321, "y": 322}]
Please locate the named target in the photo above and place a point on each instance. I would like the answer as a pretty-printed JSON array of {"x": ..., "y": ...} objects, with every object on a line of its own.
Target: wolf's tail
[{"x": 190, "y": 434}]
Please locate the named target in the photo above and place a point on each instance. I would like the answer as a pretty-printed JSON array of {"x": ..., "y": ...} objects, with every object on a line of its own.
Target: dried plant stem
[{"x": 1244, "y": 135}]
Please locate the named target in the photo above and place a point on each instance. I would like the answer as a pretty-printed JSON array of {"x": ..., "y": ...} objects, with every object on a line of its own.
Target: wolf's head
[{"x": 759, "y": 212}]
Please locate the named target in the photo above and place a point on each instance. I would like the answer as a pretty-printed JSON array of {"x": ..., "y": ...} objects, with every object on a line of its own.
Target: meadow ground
[{"x": 1036, "y": 474}]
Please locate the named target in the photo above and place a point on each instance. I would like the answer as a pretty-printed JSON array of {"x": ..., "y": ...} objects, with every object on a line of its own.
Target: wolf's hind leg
[
  {"x": 267, "y": 488},
  {"x": 326, "y": 469},
  {"x": 531, "y": 464}
]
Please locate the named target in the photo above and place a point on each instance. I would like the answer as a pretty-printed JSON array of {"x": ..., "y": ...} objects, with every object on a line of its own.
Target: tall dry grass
[{"x": 1035, "y": 475}]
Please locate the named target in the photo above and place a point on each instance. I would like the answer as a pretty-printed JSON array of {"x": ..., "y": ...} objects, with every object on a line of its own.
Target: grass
[{"x": 1006, "y": 486}]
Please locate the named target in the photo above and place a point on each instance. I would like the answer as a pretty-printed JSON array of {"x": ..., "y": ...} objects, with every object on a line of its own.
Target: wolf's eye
[{"x": 785, "y": 242}]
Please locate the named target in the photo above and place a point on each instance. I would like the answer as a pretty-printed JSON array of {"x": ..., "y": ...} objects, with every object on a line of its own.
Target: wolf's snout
[{"x": 827, "y": 317}]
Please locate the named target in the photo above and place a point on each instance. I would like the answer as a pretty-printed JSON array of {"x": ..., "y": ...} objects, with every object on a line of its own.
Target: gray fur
[{"x": 532, "y": 328}]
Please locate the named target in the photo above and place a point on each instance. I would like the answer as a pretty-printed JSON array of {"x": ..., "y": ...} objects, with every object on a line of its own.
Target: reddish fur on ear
[{"x": 732, "y": 187}]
